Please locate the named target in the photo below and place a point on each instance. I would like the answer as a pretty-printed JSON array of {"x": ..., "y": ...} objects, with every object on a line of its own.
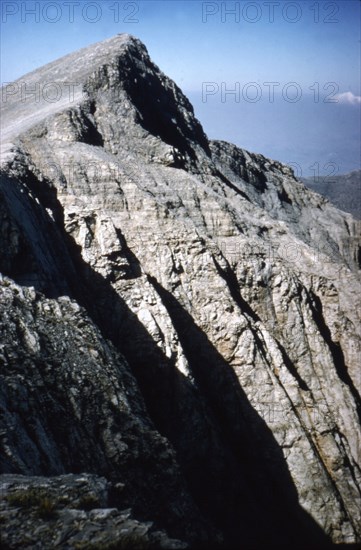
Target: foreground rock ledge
[{"x": 73, "y": 512}]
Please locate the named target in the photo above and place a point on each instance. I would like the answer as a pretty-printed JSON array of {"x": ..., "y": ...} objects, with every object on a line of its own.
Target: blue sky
[{"x": 307, "y": 51}]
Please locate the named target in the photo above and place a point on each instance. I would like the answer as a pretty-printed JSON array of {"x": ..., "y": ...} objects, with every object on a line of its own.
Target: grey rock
[
  {"x": 70, "y": 403},
  {"x": 188, "y": 312},
  {"x": 55, "y": 512}
]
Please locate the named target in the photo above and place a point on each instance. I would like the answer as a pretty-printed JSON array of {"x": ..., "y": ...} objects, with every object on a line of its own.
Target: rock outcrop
[
  {"x": 179, "y": 316},
  {"x": 72, "y": 511}
]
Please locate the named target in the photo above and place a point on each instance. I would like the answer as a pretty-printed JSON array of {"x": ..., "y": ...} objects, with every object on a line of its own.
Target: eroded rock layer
[{"x": 179, "y": 316}]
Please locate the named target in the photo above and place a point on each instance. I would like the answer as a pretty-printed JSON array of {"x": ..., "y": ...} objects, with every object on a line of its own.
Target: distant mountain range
[{"x": 343, "y": 191}]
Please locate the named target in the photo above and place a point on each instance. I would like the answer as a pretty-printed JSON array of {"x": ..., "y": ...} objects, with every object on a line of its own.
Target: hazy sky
[{"x": 294, "y": 67}]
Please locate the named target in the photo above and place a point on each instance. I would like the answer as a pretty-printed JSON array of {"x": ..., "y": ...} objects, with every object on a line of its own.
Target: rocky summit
[{"x": 180, "y": 326}]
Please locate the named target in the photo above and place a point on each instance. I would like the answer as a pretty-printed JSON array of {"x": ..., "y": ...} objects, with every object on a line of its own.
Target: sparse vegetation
[
  {"x": 34, "y": 498},
  {"x": 25, "y": 498},
  {"x": 46, "y": 508}
]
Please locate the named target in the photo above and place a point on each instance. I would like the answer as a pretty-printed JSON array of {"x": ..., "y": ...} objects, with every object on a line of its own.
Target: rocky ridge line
[{"x": 230, "y": 290}]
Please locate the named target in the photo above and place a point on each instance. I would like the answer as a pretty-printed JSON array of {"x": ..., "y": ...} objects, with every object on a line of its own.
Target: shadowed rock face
[{"x": 178, "y": 316}]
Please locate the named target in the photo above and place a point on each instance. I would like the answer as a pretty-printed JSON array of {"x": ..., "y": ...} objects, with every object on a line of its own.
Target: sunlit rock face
[{"x": 178, "y": 316}]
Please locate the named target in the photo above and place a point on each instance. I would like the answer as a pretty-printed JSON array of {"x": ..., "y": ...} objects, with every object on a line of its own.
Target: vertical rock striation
[{"x": 179, "y": 315}]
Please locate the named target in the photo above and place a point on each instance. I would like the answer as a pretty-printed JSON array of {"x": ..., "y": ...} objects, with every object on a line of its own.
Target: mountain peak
[
  {"x": 178, "y": 316},
  {"x": 55, "y": 86},
  {"x": 112, "y": 72},
  {"x": 77, "y": 64}
]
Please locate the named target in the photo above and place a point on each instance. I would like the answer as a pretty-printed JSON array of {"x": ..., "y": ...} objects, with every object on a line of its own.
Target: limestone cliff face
[{"x": 179, "y": 316}]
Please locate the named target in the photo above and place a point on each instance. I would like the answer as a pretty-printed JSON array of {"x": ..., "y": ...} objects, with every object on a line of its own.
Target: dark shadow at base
[
  {"x": 262, "y": 497},
  {"x": 234, "y": 468},
  {"x": 335, "y": 349}
]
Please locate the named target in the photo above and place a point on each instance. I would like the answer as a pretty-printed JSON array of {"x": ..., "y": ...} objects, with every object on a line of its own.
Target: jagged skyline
[
  {"x": 183, "y": 321},
  {"x": 313, "y": 44}
]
